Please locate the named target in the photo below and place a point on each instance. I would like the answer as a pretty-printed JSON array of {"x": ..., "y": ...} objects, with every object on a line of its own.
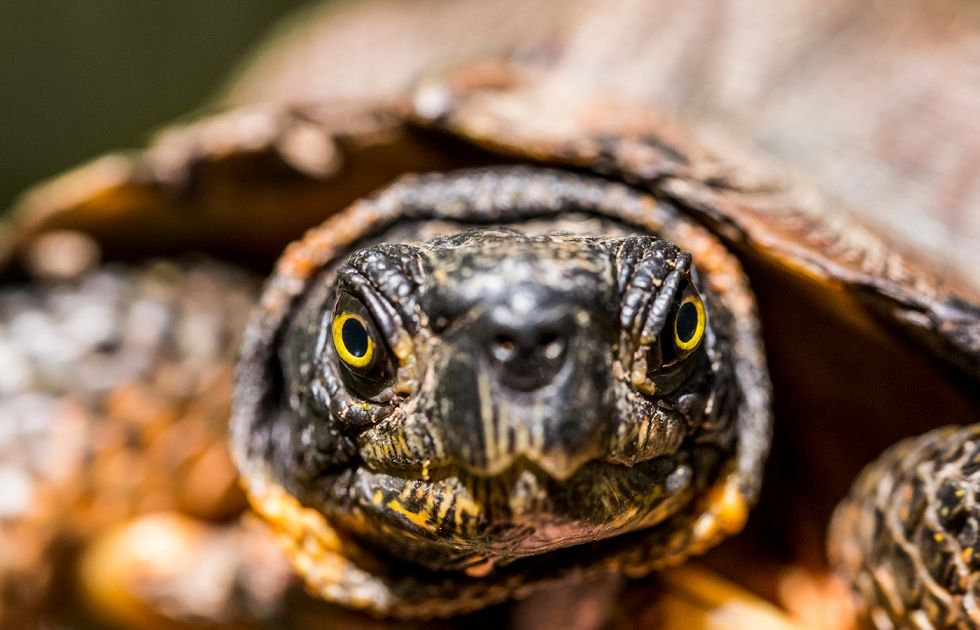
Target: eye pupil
[
  {"x": 687, "y": 322},
  {"x": 355, "y": 337}
]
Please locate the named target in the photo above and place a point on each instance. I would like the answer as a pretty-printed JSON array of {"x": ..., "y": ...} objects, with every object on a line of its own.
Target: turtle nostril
[
  {"x": 554, "y": 347},
  {"x": 503, "y": 348},
  {"x": 528, "y": 358}
]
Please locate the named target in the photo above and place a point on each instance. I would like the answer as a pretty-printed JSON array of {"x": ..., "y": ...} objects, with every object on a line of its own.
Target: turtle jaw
[
  {"x": 452, "y": 519},
  {"x": 444, "y": 513},
  {"x": 640, "y": 467}
]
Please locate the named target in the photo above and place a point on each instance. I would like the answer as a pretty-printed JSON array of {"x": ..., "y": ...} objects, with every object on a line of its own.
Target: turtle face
[{"x": 489, "y": 394}]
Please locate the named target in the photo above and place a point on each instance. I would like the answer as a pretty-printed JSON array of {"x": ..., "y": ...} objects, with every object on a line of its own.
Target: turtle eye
[
  {"x": 684, "y": 329},
  {"x": 364, "y": 358},
  {"x": 351, "y": 338},
  {"x": 689, "y": 322}
]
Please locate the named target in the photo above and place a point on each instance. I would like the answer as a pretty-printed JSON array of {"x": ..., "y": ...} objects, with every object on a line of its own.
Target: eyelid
[
  {"x": 667, "y": 356},
  {"x": 367, "y": 377}
]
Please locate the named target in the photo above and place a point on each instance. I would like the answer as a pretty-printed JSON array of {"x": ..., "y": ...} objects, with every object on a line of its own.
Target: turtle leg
[
  {"x": 114, "y": 401},
  {"x": 169, "y": 570},
  {"x": 907, "y": 535}
]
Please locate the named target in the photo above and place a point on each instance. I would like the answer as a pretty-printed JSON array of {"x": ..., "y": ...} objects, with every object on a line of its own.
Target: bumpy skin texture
[
  {"x": 907, "y": 536},
  {"x": 425, "y": 500},
  {"x": 512, "y": 400}
]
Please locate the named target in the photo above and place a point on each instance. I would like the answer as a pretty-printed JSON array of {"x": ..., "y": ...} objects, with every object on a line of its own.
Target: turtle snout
[
  {"x": 527, "y": 375},
  {"x": 527, "y": 350}
]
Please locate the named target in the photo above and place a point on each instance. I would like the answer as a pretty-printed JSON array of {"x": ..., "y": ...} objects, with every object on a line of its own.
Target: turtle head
[
  {"x": 495, "y": 394},
  {"x": 474, "y": 379}
]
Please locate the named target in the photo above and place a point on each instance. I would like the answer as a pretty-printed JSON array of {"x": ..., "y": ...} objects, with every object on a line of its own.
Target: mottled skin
[
  {"x": 908, "y": 534},
  {"x": 531, "y": 400},
  {"x": 514, "y": 427}
]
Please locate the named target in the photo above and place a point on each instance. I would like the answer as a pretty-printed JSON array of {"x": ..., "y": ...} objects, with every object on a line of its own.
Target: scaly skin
[{"x": 908, "y": 534}]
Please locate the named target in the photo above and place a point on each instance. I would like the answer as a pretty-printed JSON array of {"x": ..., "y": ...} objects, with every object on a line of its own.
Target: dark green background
[{"x": 80, "y": 77}]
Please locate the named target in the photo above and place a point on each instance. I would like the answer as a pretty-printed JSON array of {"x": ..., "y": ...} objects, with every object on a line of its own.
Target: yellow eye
[
  {"x": 352, "y": 340},
  {"x": 689, "y": 323}
]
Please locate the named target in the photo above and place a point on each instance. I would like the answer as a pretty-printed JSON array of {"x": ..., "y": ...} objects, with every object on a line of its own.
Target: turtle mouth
[{"x": 445, "y": 517}]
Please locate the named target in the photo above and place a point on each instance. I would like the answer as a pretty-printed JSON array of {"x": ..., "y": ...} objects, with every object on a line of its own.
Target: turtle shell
[
  {"x": 865, "y": 342},
  {"x": 242, "y": 183}
]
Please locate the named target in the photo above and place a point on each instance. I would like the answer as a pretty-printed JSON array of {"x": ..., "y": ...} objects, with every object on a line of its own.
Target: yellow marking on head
[
  {"x": 638, "y": 371},
  {"x": 378, "y": 497},
  {"x": 443, "y": 508},
  {"x": 401, "y": 446},
  {"x": 419, "y": 518},
  {"x": 465, "y": 505},
  {"x": 500, "y": 436},
  {"x": 457, "y": 516},
  {"x": 627, "y": 516},
  {"x": 644, "y": 436},
  {"x": 486, "y": 415},
  {"x": 522, "y": 438}
]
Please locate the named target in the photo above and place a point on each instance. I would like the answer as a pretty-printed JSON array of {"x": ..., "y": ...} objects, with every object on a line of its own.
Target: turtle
[{"x": 533, "y": 315}]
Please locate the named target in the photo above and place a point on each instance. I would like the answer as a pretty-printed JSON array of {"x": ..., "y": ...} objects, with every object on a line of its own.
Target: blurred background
[
  {"x": 82, "y": 78},
  {"x": 875, "y": 102}
]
